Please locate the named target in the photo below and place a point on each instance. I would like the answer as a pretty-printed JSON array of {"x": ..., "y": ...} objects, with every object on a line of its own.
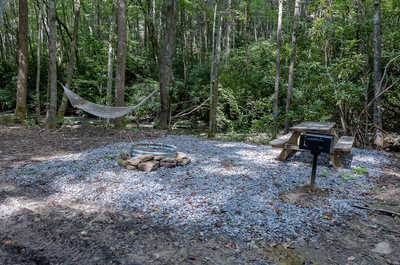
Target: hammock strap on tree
[{"x": 98, "y": 110}]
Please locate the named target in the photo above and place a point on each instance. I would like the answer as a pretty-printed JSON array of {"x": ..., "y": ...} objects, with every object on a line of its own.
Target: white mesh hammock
[{"x": 102, "y": 111}]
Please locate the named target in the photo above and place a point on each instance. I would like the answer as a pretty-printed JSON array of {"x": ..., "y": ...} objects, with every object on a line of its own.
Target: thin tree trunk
[
  {"x": 51, "y": 117},
  {"x": 121, "y": 59},
  {"x": 20, "y": 109},
  {"x": 377, "y": 72},
  {"x": 228, "y": 30},
  {"x": 71, "y": 65},
  {"x": 246, "y": 30},
  {"x": 292, "y": 62},
  {"x": 278, "y": 62},
  {"x": 213, "y": 48},
  {"x": 214, "y": 91},
  {"x": 151, "y": 31},
  {"x": 185, "y": 49},
  {"x": 39, "y": 44},
  {"x": 2, "y": 5},
  {"x": 204, "y": 42},
  {"x": 333, "y": 81},
  {"x": 110, "y": 61},
  {"x": 365, "y": 83},
  {"x": 166, "y": 62}
]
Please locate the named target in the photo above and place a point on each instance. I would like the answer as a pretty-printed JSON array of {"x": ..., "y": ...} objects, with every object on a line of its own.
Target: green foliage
[
  {"x": 8, "y": 84},
  {"x": 246, "y": 80},
  {"x": 137, "y": 92},
  {"x": 348, "y": 176},
  {"x": 324, "y": 172},
  {"x": 360, "y": 170}
]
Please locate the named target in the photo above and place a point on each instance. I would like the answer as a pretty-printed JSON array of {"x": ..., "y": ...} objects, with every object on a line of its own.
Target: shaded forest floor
[{"x": 45, "y": 232}]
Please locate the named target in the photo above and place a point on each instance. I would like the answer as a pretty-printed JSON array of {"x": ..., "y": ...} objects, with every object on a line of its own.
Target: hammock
[{"x": 102, "y": 111}]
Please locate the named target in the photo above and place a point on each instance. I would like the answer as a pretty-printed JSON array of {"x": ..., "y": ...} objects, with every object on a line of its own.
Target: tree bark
[
  {"x": 213, "y": 48},
  {"x": 51, "y": 117},
  {"x": 166, "y": 62},
  {"x": 228, "y": 30},
  {"x": 71, "y": 64},
  {"x": 377, "y": 73},
  {"x": 39, "y": 44},
  {"x": 2, "y": 5},
  {"x": 20, "y": 109},
  {"x": 121, "y": 59},
  {"x": 292, "y": 62},
  {"x": 214, "y": 87},
  {"x": 277, "y": 67},
  {"x": 110, "y": 61},
  {"x": 184, "y": 48},
  {"x": 151, "y": 31}
]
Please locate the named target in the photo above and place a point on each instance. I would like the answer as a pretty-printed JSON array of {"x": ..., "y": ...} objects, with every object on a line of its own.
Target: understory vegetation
[{"x": 333, "y": 73}]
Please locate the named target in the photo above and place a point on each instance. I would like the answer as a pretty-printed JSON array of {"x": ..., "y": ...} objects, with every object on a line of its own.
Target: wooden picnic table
[{"x": 290, "y": 142}]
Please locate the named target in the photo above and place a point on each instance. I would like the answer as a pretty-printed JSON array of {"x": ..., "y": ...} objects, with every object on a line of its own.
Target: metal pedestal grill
[{"x": 317, "y": 144}]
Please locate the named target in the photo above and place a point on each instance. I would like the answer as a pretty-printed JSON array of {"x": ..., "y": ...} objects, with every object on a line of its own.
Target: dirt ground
[{"x": 45, "y": 232}]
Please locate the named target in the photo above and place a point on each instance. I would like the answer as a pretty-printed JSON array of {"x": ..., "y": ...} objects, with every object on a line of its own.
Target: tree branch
[{"x": 182, "y": 114}]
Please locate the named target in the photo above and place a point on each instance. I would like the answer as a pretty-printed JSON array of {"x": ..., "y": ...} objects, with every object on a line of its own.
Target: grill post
[{"x": 314, "y": 167}]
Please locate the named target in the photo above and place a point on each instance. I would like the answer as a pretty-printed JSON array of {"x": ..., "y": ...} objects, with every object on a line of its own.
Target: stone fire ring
[
  {"x": 155, "y": 149},
  {"x": 150, "y": 156}
]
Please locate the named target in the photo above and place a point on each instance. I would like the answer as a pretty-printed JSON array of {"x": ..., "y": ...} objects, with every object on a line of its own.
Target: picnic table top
[{"x": 312, "y": 126}]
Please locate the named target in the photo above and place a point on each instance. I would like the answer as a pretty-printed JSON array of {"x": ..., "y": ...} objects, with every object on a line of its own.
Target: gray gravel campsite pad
[{"x": 230, "y": 187}]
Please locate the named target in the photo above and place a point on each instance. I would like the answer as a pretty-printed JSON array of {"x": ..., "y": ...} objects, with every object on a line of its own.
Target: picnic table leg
[
  {"x": 335, "y": 160},
  {"x": 286, "y": 152}
]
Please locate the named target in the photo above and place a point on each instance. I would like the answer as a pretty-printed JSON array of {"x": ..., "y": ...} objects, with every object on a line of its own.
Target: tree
[
  {"x": 228, "y": 30},
  {"x": 292, "y": 61},
  {"x": 38, "y": 52},
  {"x": 2, "y": 4},
  {"x": 51, "y": 114},
  {"x": 166, "y": 62},
  {"x": 71, "y": 65},
  {"x": 20, "y": 109},
  {"x": 110, "y": 59},
  {"x": 214, "y": 76},
  {"x": 121, "y": 58},
  {"x": 377, "y": 73},
  {"x": 277, "y": 67}
]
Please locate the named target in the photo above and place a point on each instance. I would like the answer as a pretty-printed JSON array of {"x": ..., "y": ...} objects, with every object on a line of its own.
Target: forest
[
  {"x": 237, "y": 65},
  {"x": 185, "y": 131}
]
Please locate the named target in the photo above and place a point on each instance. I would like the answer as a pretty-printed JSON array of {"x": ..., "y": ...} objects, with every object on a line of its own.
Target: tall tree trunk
[
  {"x": 110, "y": 60},
  {"x": 2, "y": 5},
  {"x": 185, "y": 48},
  {"x": 277, "y": 67},
  {"x": 246, "y": 30},
  {"x": 377, "y": 72},
  {"x": 71, "y": 65},
  {"x": 121, "y": 59},
  {"x": 51, "y": 117},
  {"x": 214, "y": 87},
  {"x": 292, "y": 61},
  {"x": 39, "y": 44},
  {"x": 20, "y": 109},
  {"x": 166, "y": 62},
  {"x": 213, "y": 47},
  {"x": 228, "y": 30},
  {"x": 204, "y": 42},
  {"x": 151, "y": 31}
]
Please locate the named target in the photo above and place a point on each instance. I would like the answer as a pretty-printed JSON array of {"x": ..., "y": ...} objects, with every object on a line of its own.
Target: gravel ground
[{"x": 230, "y": 187}]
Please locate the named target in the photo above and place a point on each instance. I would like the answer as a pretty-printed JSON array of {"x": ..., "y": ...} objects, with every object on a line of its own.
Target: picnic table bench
[{"x": 290, "y": 142}]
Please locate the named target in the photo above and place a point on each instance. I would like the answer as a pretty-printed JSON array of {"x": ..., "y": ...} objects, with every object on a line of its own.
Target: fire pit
[
  {"x": 154, "y": 149},
  {"x": 150, "y": 156}
]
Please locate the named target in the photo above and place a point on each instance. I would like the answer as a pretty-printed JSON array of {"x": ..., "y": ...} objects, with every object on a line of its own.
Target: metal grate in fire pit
[{"x": 155, "y": 149}]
